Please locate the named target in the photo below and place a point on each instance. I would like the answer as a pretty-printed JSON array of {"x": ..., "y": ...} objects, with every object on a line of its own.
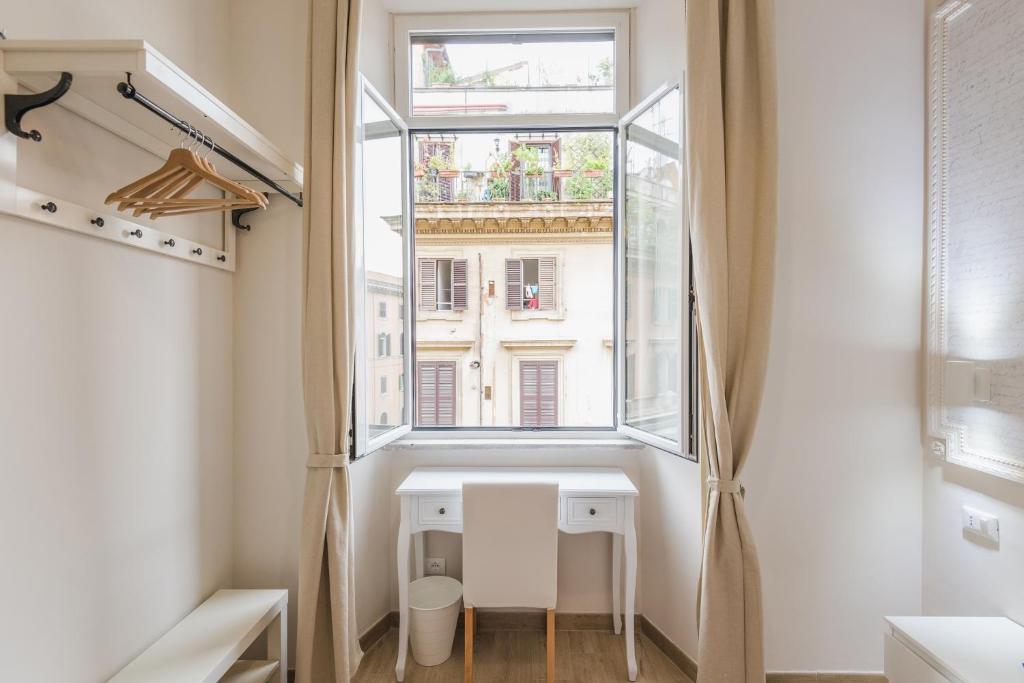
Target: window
[
  {"x": 538, "y": 393},
  {"x": 537, "y": 229},
  {"x": 384, "y": 345},
  {"x": 500, "y": 67},
  {"x": 435, "y": 400},
  {"x": 656, "y": 275},
  {"x": 530, "y": 291},
  {"x": 530, "y": 284},
  {"x": 381, "y": 245},
  {"x": 513, "y": 73},
  {"x": 443, "y": 284}
]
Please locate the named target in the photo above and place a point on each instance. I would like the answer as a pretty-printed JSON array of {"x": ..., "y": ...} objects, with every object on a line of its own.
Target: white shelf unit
[{"x": 97, "y": 66}]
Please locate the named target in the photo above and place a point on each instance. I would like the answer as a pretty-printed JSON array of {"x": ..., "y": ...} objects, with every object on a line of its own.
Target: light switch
[{"x": 981, "y": 524}]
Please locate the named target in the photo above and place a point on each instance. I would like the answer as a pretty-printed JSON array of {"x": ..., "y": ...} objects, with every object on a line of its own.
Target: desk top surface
[
  {"x": 582, "y": 481},
  {"x": 965, "y": 648}
]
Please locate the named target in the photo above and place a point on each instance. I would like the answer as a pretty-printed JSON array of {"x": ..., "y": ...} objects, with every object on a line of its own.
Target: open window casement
[
  {"x": 653, "y": 344},
  {"x": 382, "y": 250}
]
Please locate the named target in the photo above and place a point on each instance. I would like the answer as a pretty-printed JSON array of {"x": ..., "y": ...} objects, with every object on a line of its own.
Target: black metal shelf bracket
[
  {"x": 236, "y": 218},
  {"x": 16, "y": 106}
]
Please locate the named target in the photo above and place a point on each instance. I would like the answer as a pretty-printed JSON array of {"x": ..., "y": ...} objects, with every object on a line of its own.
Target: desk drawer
[
  {"x": 600, "y": 511},
  {"x": 440, "y": 510}
]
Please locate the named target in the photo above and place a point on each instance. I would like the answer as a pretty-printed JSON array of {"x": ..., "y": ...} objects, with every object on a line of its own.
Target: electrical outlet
[
  {"x": 981, "y": 524},
  {"x": 435, "y": 566}
]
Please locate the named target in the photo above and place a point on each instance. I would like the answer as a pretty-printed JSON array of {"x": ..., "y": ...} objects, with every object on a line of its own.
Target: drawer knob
[
  {"x": 593, "y": 512},
  {"x": 441, "y": 511}
]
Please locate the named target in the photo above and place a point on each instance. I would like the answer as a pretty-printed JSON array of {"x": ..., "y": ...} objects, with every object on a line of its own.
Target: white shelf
[
  {"x": 97, "y": 66},
  {"x": 251, "y": 671}
]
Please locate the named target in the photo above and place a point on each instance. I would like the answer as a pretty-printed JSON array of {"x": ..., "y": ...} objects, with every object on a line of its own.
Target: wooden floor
[{"x": 518, "y": 657}]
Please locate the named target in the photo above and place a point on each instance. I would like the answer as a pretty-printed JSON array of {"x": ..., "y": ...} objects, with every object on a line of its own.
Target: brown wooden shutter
[
  {"x": 435, "y": 394},
  {"x": 546, "y": 277},
  {"x": 538, "y": 393},
  {"x": 446, "y": 394},
  {"x": 426, "y": 394},
  {"x": 460, "y": 284},
  {"x": 427, "y": 295},
  {"x": 514, "y": 284}
]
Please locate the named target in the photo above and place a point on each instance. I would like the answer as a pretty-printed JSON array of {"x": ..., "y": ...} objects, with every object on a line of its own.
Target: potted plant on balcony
[
  {"x": 498, "y": 189},
  {"x": 595, "y": 168},
  {"x": 561, "y": 171},
  {"x": 442, "y": 166},
  {"x": 545, "y": 196},
  {"x": 468, "y": 172},
  {"x": 419, "y": 171},
  {"x": 529, "y": 160},
  {"x": 501, "y": 166}
]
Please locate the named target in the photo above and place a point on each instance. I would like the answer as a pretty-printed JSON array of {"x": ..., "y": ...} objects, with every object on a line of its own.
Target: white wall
[
  {"x": 834, "y": 479},
  {"x": 115, "y": 404},
  {"x": 834, "y": 482},
  {"x": 268, "y": 53}
]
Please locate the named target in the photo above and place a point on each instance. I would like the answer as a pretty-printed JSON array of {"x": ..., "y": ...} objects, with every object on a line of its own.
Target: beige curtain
[
  {"x": 731, "y": 157},
  {"x": 327, "y": 648}
]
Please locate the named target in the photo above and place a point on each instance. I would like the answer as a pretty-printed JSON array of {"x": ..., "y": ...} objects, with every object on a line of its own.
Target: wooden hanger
[{"x": 165, "y": 191}]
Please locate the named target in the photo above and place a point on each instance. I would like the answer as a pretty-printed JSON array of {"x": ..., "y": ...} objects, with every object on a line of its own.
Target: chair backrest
[{"x": 510, "y": 544}]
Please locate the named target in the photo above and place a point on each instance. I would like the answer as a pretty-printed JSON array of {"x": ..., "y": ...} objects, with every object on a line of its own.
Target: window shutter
[
  {"x": 546, "y": 276},
  {"x": 548, "y": 403},
  {"x": 426, "y": 394},
  {"x": 428, "y": 285},
  {"x": 538, "y": 393},
  {"x": 446, "y": 394},
  {"x": 435, "y": 394},
  {"x": 514, "y": 284},
  {"x": 460, "y": 284}
]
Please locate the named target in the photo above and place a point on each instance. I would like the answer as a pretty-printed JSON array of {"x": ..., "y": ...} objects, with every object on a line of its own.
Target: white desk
[{"x": 590, "y": 499}]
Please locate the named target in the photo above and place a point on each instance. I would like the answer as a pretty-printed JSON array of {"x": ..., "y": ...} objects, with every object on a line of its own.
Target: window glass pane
[
  {"x": 522, "y": 332},
  {"x": 653, "y": 263},
  {"x": 383, "y": 260},
  {"x": 541, "y": 72}
]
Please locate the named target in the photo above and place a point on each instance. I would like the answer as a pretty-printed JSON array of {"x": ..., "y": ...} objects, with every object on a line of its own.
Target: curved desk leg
[
  {"x": 630, "y": 588},
  {"x": 417, "y": 540},
  {"x": 403, "y": 589},
  {"x": 617, "y": 583}
]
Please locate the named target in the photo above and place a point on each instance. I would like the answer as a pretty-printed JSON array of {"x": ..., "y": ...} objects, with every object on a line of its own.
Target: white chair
[{"x": 510, "y": 553}]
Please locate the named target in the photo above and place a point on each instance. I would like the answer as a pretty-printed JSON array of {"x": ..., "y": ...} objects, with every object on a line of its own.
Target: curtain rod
[{"x": 129, "y": 92}]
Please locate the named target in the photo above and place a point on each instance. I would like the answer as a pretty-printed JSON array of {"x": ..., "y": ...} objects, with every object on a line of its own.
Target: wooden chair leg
[
  {"x": 469, "y": 627},
  {"x": 551, "y": 645}
]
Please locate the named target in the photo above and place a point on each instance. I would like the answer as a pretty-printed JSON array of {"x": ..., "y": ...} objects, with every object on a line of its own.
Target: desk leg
[
  {"x": 617, "y": 583},
  {"x": 403, "y": 589},
  {"x": 630, "y": 587},
  {"x": 417, "y": 542}
]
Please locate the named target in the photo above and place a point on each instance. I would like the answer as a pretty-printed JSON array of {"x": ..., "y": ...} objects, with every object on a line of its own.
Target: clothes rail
[{"x": 129, "y": 92}]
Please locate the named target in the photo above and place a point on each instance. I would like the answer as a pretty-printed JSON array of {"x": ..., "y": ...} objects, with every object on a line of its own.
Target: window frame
[
  {"x": 363, "y": 443},
  {"x": 405, "y": 25},
  {"x": 687, "y": 365}
]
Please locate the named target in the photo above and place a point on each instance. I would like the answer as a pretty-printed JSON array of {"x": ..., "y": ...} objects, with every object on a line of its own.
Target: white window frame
[
  {"x": 684, "y": 446},
  {"x": 405, "y": 25},
  {"x": 364, "y": 444}
]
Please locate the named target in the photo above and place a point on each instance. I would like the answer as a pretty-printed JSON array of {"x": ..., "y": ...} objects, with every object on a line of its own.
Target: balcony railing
[{"x": 447, "y": 187}]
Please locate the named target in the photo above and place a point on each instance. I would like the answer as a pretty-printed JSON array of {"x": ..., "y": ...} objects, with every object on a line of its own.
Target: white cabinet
[{"x": 954, "y": 649}]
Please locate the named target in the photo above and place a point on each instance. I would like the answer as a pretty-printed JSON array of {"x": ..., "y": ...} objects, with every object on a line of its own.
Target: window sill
[{"x": 512, "y": 439}]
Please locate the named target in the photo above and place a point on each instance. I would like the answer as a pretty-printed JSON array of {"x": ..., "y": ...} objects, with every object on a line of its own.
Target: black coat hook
[
  {"x": 98, "y": 222},
  {"x": 137, "y": 232},
  {"x": 169, "y": 242},
  {"x": 198, "y": 251},
  {"x": 49, "y": 206}
]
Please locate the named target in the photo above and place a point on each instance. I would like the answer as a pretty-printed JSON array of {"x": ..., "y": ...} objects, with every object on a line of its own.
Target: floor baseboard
[{"x": 568, "y": 621}]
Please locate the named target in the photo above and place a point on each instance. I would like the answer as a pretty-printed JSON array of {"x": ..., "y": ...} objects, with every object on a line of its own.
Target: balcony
[{"x": 451, "y": 186}]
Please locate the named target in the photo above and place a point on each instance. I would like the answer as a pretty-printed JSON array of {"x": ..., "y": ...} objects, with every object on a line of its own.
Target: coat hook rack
[{"x": 16, "y": 106}]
